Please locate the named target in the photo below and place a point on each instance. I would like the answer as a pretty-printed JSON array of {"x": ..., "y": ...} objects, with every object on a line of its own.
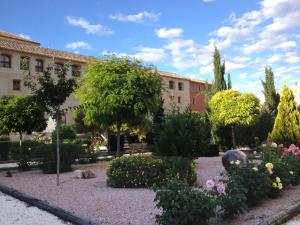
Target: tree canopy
[
  {"x": 118, "y": 91},
  {"x": 286, "y": 129},
  {"x": 230, "y": 108}
]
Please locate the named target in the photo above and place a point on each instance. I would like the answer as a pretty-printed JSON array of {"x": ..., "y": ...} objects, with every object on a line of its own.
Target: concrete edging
[
  {"x": 283, "y": 216},
  {"x": 59, "y": 212}
]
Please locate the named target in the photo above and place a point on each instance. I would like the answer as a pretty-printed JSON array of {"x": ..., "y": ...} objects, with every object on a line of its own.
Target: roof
[
  {"x": 37, "y": 50},
  {"x": 17, "y": 38},
  {"x": 176, "y": 76}
]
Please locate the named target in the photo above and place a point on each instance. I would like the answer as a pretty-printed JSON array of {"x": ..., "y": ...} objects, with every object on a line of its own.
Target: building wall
[
  {"x": 7, "y": 75},
  {"x": 175, "y": 96},
  {"x": 197, "y": 98}
]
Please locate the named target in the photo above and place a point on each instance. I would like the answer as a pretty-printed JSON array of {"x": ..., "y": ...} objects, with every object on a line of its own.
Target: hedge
[{"x": 144, "y": 170}]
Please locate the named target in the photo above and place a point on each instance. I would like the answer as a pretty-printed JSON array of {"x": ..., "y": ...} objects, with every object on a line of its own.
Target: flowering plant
[
  {"x": 216, "y": 185},
  {"x": 292, "y": 150}
]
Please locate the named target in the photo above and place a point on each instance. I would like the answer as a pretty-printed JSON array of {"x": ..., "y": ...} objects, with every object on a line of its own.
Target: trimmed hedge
[
  {"x": 68, "y": 154},
  {"x": 4, "y": 150},
  {"x": 145, "y": 170}
]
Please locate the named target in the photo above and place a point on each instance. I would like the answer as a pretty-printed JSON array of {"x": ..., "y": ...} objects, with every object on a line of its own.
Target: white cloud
[
  {"x": 89, "y": 28},
  {"x": 169, "y": 33},
  {"x": 150, "y": 54},
  {"x": 25, "y": 36},
  {"x": 274, "y": 59},
  {"x": 207, "y": 0},
  {"x": 78, "y": 44},
  {"x": 136, "y": 18},
  {"x": 243, "y": 76}
]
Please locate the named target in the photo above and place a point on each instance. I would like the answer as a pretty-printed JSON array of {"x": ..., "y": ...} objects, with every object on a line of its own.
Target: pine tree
[
  {"x": 229, "y": 85},
  {"x": 286, "y": 129},
  {"x": 271, "y": 97},
  {"x": 219, "y": 83}
]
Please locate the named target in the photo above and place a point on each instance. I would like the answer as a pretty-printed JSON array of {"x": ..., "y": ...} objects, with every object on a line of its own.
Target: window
[
  {"x": 16, "y": 85},
  {"x": 5, "y": 61},
  {"x": 171, "y": 97},
  {"x": 179, "y": 99},
  {"x": 171, "y": 84},
  {"x": 180, "y": 86},
  {"x": 193, "y": 101},
  {"x": 75, "y": 69},
  {"x": 39, "y": 66},
  {"x": 24, "y": 62},
  {"x": 58, "y": 67}
]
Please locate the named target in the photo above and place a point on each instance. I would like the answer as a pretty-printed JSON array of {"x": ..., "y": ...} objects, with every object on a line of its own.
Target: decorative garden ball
[{"x": 236, "y": 157}]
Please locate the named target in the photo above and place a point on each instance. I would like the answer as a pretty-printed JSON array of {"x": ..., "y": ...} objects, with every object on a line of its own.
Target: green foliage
[
  {"x": 286, "y": 129},
  {"x": 65, "y": 132},
  {"x": 271, "y": 97},
  {"x": 184, "y": 134},
  {"x": 118, "y": 91},
  {"x": 229, "y": 84},
  {"x": 147, "y": 170},
  {"x": 182, "y": 205},
  {"x": 4, "y": 150},
  {"x": 79, "y": 125},
  {"x": 219, "y": 83},
  {"x": 68, "y": 153}
]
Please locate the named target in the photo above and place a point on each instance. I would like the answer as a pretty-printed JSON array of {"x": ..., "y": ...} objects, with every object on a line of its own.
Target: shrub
[
  {"x": 211, "y": 150},
  {"x": 182, "y": 205},
  {"x": 147, "y": 170},
  {"x": 68, "y": 153},
  {"x": 65, "y": 132},
  {"x": 184, "y": 134},
  {"x": 4, "y": 150}
]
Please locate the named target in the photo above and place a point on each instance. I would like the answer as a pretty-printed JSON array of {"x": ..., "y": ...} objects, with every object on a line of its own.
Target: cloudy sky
[{"x": 174, "y": 35}]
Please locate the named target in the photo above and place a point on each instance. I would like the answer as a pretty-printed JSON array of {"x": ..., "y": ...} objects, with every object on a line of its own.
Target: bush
[
  {"x": 184, "y": 134},
  {"x": 68, "y": 153},
  {"x": 65, "y": 132},
  {"x": 211, "y": 150},
  {"x": 29, "y": 150},
  {"x": 182, "y": 205},
  {"x": 147, "y": 170},
  {"x": 4, "y": 150}
]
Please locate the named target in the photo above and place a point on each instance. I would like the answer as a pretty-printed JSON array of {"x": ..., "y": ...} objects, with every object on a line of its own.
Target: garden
[{"x": 236, "y": 163}]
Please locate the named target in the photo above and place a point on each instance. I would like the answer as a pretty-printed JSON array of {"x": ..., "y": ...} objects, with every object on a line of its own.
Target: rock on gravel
[{"x": 15, "y": 212}]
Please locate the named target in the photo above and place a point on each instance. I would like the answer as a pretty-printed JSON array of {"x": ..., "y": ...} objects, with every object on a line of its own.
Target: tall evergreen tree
[
  {"x": 286, "y": 129},
  {"x": 219, "y": 83},
  {"x": 229, "y": 84},
  {"x": 271, "y": 97}
]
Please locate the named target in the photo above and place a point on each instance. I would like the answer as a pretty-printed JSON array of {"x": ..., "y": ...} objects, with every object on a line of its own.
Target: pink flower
[
  {"x": 210, "y": 184},
  {"x": 285, "y": 151},
  {"x": 221, "y": 188}
]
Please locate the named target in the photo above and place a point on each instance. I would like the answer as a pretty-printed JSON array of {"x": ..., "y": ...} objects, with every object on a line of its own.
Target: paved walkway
[
  {"x": 15, "y": 212},
  {"x": 295, "y": 221}
]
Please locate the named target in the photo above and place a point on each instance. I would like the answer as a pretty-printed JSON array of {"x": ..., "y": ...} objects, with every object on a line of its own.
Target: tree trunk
[
  {"x": 21, "y": 144},
  {"x": 57, "y": 150},
  {"x": 233, "y": 137},
  {"x": 118, "y": 140}
]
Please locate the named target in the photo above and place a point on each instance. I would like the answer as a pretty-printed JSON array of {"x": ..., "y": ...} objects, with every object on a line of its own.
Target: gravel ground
[
  {"x": 93, "y": 200},
  {"x": 15, "y": 212},
  {"x": 295, "y": 221}
]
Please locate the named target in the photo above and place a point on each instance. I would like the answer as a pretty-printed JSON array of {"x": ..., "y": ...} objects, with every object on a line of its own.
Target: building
[{"x": 17, "y": 54}]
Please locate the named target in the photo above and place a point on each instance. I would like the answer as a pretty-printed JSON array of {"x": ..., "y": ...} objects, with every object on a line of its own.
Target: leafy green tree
[
  {"x": 219, "y": 83},
  {"x": 229, "y": 84},
  {"x": 117, "y": 92},
  {"x": 21, "y": 114},
  {"x": 286, "y": 129},
  {"x": 52, "y": 92},
  {"x": 184, "y": 134},
  {"x": 271, "y": 97},
  {"x": 230, "y": 108},
  {"x": 79, "y": 125}
]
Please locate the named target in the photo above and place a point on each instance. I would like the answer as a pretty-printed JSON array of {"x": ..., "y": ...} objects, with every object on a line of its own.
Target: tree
[
  {"x": 286, "y": 129},
  {"x": 229, "y": 85},
  {"x": 230, "y": 108},
  {"x": 219, "y": 83},
  {"x": 271, "y": 97},
  {"x": 21, "y": 114},
  {"x": 52, "y": 92},
  {"x": 118, "y": 91}
]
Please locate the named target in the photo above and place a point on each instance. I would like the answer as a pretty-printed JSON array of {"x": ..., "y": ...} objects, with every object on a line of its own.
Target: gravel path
[
  {"x": 92, "y": 199},
  {"x": 15, "y": 212}
]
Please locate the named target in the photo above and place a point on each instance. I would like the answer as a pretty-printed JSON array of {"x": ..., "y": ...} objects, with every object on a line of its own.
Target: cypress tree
[
  {"x": 229, "y": 85},
  {"x": 286, "y": 129},
  {"x": 219, "y": 83},
  {"x": 271, "y": 97}
]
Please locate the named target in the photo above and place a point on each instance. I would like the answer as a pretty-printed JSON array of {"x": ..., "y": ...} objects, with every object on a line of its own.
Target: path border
[
  {"x": 57, "y": 211},
  {"x": 283, "y": 217}
]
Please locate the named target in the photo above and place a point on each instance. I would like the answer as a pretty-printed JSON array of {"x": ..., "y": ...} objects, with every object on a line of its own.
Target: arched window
[{"x": 5, "y": 61}]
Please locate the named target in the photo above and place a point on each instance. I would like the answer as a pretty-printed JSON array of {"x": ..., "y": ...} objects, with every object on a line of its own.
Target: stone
[
  {"x": 78, "y": 174},
  {"x": 232, "y": 156},
  {"x": 88, "y": 174}
]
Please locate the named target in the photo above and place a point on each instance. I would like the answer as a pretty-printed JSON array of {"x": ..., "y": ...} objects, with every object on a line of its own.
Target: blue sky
[{"x": 176, "y": 36}]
